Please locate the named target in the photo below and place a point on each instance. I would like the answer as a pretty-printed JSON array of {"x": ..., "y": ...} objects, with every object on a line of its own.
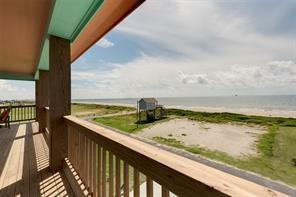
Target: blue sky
[{"x": 189, "y": 48}]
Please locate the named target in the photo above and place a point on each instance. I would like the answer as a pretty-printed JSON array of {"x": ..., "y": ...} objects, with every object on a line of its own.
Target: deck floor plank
[{"x": 24, "y": 164}]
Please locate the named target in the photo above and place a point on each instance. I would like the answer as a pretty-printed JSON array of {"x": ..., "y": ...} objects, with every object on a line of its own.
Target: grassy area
[
  {"x": 81, "y": 109},
  {"x": 276, "y": 159},
  {"x": 230, "y": 117},
  {"x": 277, "y": 147},
  {"x": 126, "y": 123}
]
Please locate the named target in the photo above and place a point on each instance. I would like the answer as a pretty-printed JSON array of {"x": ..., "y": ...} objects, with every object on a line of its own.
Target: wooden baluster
[
  {"x": 164, "y": 192},
  {"x": 34, "y": 112},
  {"x": 83, "y": 159},
  {"x": 104, "y": 174},
  {"x": 18, "y": 113},
  {"x": 136, "y": 183},
  {"x": 76, "y": 149},
  {"x": 90, "y": 168},
  {"x": 11, "y": 114},
  {"x": 73, "y": 133},
  {"x": 126, "y": 179},
  {"x": 72, "y": 160},
  {"x": 78, "y": 152},
  {"x": 95, "y": 171},
  {"x": 87, "y": 163},
  {"x": 70, "y": 144},
  {"x": 117, "y": 181},
  {"x": 149, "y": 186},
  {"x": 99, "y": 171},
  {"x": 111, "y": 175}
]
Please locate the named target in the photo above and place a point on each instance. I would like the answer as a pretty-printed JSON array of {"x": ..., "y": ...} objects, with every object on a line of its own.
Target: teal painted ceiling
[{"x": 69, "y": 17}]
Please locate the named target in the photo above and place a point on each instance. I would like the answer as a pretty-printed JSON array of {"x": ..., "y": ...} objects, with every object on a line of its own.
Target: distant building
[
  {"x": 147, "y": 104},
  {"x": 151, "y": 109}
]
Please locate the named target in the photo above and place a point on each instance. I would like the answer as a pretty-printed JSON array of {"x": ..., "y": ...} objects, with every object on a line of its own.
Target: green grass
[
  {"x": 126, "y": 123},
  {"x": 230, "y": 117},
  {"x": 81, "y": 109}
]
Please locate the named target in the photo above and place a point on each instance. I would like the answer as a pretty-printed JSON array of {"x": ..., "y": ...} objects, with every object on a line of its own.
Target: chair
[{"x": 4, "y": 118}]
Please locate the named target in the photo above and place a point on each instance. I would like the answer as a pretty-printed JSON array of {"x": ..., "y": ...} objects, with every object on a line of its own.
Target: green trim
[
  {"x": 17, "y": 77},
  {"x": 36, "y": 76},
  {"x": 45, "y": 40},
  {"x": 86, "y": 18},
  {"x": 68, "y": 18},
  {"x": 71, "y": 16},
  {"x": 44, "y": 58}
]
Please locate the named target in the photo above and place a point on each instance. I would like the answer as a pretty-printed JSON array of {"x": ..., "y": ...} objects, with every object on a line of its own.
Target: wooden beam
[
  {"x": 41, "y": 93},
  {"x": 59, "y": 99}
]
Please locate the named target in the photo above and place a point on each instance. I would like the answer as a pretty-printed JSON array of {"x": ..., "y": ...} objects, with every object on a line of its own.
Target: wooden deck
[{"x": 24, "y": 165}]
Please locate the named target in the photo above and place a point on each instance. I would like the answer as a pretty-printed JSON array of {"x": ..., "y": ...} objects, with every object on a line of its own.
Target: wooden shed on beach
[
  {"x": 150, "y": 107},
  {"x": 147, "y": 103}
]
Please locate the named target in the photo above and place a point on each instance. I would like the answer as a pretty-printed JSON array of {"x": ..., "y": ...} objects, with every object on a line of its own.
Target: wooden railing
[
  {"x": 112, "y": 164},
  {"x": 47, "y": 123},
  {"x": 20, "y": 113}
]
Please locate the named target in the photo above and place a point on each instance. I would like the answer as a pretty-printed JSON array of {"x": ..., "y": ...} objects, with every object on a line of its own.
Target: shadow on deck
[{"x": 24, "y": 164}]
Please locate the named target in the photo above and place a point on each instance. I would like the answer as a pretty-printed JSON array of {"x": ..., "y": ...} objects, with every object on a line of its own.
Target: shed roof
[
  {"x": 149, "y": 100},
  {"x": 27, "y": 24}
]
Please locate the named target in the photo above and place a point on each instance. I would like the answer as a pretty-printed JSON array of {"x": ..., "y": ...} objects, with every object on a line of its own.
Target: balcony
[
  {"x": 48, "y": 152},
  {"x": 24, "y": 164},
  {"x": 101, "y": 162}
]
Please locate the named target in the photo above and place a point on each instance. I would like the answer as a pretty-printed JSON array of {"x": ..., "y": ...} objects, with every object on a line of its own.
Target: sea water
[{"x": 284, "y": 102}]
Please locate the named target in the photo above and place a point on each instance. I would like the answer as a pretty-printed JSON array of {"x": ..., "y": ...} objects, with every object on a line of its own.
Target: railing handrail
[
  {"x": 180, "y": 175},
  {"x": 17, "y": 106}
]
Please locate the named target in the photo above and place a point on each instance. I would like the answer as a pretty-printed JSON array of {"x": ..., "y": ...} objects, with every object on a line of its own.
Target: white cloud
[
  {"x": 5, "y": 86},
  {"x": 82, "y": 75},
  {"x": 159, "y": 76},
  {"x": 193, "y": 78},
  {"x": 16, "y": 89},
  {"x": 104, "y": 43},
  {"x": 211, "y": 30}
]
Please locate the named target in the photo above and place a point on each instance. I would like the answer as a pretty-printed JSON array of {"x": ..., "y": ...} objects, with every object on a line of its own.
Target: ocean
[{"x": 282, "y": 103}]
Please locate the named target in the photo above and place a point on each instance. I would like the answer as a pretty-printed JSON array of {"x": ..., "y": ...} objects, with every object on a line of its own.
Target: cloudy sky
[{"x": 189, "y": 48}]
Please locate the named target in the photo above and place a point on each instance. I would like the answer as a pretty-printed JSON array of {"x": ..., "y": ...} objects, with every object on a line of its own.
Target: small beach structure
[{"x": 151, "y": 109}]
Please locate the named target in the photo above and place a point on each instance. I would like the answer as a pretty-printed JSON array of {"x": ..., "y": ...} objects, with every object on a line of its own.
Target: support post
[
  {"x": 60, "y": 99},
  {"x": 41, "y": 94}
]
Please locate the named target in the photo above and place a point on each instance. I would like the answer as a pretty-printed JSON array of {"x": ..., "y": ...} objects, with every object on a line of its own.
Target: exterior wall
[
  {"x": 146, "y": 106},
  {"x": 150, "y": 106},
  {"x": 142, "y": 105}
]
